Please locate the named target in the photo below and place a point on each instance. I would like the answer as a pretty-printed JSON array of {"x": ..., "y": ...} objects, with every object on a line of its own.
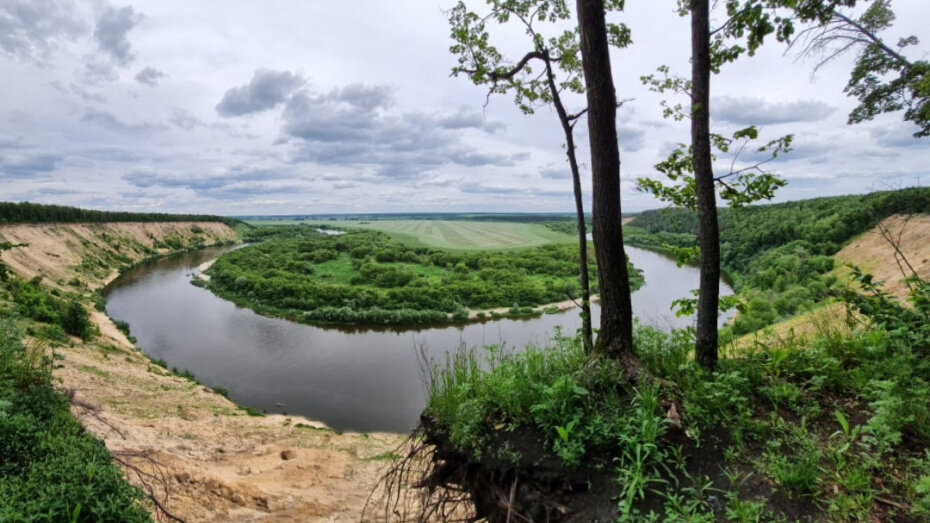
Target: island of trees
[{"x": 366, "y": 278}]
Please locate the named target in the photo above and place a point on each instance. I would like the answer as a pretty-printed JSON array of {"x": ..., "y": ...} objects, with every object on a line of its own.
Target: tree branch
[
  {"x": 510, "y": 73},
  {"x": 875, "y": 39}
]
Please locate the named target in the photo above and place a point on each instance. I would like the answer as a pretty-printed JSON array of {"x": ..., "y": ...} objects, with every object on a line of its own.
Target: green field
[{"x": 463, "y": 235}]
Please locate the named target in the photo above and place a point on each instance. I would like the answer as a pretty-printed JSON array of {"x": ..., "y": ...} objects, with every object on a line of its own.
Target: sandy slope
[
  {"x": 873, "y": 254},
  {"x": 206, "y": 459}
]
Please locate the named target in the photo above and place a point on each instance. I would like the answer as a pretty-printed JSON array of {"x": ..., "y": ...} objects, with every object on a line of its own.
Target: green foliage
[
  {"x": 778, "y": 255},
  {"x": 50, "y": 468},
  {"x": 367, "y": 278},
  {"x": 882, "y": 79},
  {"x": 819, "y": 419},
  {"x": 739, "y": 187},
  {"x": 33, "y": 301},
  {"x": 25, "y": 212}
]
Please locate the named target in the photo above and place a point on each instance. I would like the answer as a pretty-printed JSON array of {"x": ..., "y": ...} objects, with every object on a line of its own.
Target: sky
[{"x": 239, "y": 107}]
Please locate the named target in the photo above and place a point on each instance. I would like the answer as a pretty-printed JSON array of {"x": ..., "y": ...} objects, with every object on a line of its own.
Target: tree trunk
[
  {"x": 587, "y": 336},
  {"x": 616, "y": 332},
  {"x": 708, "y": 235}
]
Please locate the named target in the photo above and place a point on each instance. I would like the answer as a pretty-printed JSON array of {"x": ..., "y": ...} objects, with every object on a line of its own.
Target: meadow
[{"x": 461, "y": 234}]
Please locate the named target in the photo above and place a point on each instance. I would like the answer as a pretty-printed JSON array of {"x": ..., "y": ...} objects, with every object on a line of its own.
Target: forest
[
  {"x": 27, "y": 212},
  {"x": 779, "y": 255},
  {"x": 364, "y": 277}
]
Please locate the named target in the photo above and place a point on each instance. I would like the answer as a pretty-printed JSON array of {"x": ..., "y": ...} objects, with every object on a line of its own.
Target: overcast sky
[{"x": 241, "y": 107}]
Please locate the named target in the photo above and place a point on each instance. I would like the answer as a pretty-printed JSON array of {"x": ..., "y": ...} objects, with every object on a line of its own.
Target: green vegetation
[
  {"x": 50, "y": 468},
  {"x": 365, "y": 277},
  {"x": 25, "y": 212},
  {"x": 778, "y": 255},
  {"x": 820, "y": 428},
  {"x": 33, "y": 301},
  {"x": 466, "y": 235}
]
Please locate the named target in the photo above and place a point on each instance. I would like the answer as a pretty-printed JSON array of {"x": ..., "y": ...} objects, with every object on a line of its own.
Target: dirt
[
  {"x": 201, "y": 456},
  {"x": 873, "y": 254},
  {"x": 876, "y": 255}
]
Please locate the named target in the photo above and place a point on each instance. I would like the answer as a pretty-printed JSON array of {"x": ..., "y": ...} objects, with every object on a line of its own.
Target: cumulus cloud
[
  {"x": 266, "y": 90},
  {"x": 111, "y": 32},
  {"x": 756, "y": 111},
  {"x": 114, "y": 51},
  {"x": 149, "y": 76},
  {"x": 354, "y": 126},
  {"x": 32, "y": 29}
]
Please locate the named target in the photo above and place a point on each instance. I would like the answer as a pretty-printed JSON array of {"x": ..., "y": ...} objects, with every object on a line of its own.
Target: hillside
[
  {"x": 206, "y": 458},
  {"x": 872, "y": 253}
]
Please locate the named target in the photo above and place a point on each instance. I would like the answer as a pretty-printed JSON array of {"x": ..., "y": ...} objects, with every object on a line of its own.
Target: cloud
[
  {"x": 27, "y": 165},
  {"x": 266, "y": 90},
  {"x": 556, "y": 172},
  {"x": 630, "y": 138},
  {"x": 110, "y": 34},
  {"x": 234, "y": 184},
  {"x": 756, "y": 111},
  {"x": 511, "y": 191},
  {"x": 466, "y": 118},
  {"x": 184, "y": 119},
  {"x": 150, "y": 76},
  {"x": 354, "y": 126},
  {"x": 11, "y": 142},
  {"x": 112, "y": 123},
  {"x": 898, "y": 134},
  {"x": 31, "y": 29}
]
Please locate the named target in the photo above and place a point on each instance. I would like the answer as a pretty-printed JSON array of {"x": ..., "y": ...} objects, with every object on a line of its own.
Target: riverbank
[{"x": 204, "y": 457}]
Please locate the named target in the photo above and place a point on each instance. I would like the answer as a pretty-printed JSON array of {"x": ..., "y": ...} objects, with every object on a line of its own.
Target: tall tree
[
  {"x": 708, "y": 232},
  {"x": 616, "y": 334},
  {"x": 484, "y": 65},
  {"x": 709, "y": 51}
]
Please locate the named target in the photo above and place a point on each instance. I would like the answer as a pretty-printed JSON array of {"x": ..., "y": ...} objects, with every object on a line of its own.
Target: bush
[{"x": 50, "y": 468}]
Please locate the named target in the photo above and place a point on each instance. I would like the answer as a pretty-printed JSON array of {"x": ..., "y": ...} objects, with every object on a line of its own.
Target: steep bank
[
  {"x": 206, "y": 459},
  {"x": 95, "y": 253},
  {"x": 874, "y": 254}
]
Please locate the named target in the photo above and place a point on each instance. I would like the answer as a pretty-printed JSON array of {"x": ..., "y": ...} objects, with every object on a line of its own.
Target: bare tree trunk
[
  {"x": 616, "y": 332},
  {"x": 567, "y": 127},
  {"x": 708, "y": 234}
]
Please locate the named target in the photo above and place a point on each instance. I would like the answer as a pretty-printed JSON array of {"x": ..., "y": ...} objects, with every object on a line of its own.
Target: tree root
[
  {"x": 419, "y": 487},
  {"x": 155, "y": 484}
]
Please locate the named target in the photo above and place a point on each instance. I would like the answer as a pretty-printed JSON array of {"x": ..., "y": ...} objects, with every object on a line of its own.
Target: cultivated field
[{"x": 464, "y": 235}]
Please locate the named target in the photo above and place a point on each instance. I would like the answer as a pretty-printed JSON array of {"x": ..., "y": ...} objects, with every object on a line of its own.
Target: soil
[
  {"x": 873, "y": 254},
  {"x": 202, "y": 457}
]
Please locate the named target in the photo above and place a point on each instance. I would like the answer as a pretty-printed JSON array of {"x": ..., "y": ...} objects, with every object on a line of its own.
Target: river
[{"x": 350, "y": 379}]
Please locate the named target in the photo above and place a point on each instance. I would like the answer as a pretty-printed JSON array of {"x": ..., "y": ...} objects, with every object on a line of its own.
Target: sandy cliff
[{"x": 202, "y": 457}]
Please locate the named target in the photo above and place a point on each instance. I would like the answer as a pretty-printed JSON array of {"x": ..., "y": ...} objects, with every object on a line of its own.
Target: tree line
[
  {"x": 27, "y": 212},
  {"x": 779, "y": 255}
]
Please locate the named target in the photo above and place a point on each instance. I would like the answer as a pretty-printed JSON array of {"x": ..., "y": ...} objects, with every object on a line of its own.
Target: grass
[
  {"x": 464, "y": 235},
  {"x": 830, "y": 426}
]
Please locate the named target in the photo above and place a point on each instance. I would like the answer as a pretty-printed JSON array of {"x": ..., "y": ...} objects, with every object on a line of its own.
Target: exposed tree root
[
  {"x": 419, "y": 488},
  {"x": 153, "y": 482}
]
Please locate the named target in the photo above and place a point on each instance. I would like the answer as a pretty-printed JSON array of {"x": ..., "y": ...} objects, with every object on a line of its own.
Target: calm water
[{"x": 350, "y": 379}]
